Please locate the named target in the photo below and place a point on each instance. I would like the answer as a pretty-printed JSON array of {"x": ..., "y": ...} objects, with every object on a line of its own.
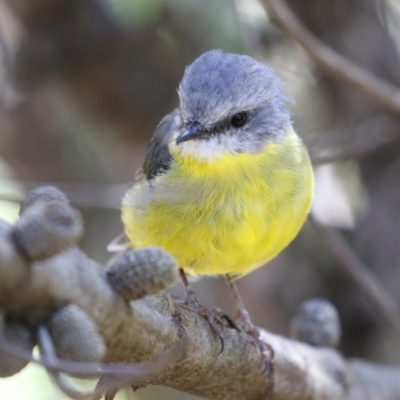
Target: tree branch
[
  {"x": 33, "y": 291},
  {"x": 376, "y": 295},
  {"x": 331, "y": 62}
]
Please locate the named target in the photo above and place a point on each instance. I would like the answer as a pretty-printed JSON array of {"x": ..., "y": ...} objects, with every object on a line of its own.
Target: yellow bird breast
[{"x": 231, "y": 215}]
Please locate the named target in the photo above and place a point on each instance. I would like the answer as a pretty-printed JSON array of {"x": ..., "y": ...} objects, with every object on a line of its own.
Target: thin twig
[
  {"x": 348, "y": 154},
  {"x": 132, "y": 371},
  {"x": 46, "y": 348},
  {"x": 76, "y": 202},
  {"x": 333, "y": 63},
  {"x": 86, "y": 195},
  {"x": 375, "y": 293},
  {"x": 382, "y": 12},
  {"x": 121, "y": 375}
]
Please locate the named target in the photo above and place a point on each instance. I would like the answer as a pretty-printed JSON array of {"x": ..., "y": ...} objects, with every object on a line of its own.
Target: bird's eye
[{"x": 239, "y": 119}]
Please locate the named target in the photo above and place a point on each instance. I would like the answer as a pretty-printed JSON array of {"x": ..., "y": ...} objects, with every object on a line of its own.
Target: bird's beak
[{"x": 193, "y": 131}]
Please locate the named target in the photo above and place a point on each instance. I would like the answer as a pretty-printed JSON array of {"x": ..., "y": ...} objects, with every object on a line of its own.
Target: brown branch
[
  {"x": 135, "y": 331},
  {"x": 377, "y": 296},
  {"x": 364, "y": 138},
  {"x": 152, "y": 324},
  {"x": 83, "y": 195},
  {"x": 333, "y": 63},
  {"x": 354, "y": 151}
]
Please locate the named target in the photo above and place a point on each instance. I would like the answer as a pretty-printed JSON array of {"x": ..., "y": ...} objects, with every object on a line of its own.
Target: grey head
[{"x": 229, "y": 102}]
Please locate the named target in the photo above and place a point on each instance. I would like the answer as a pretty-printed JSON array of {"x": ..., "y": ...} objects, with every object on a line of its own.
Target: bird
[{"x": 226, "y": 183}]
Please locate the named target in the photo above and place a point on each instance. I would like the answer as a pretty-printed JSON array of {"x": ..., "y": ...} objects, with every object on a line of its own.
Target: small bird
[{"x": 227, "y": 183}]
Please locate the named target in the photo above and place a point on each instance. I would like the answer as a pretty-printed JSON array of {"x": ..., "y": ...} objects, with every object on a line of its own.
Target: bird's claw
[
  {"x": 243, "y": 321},
  {"x": 213, "y": 316},
  {"x": 266, "y": 350}
]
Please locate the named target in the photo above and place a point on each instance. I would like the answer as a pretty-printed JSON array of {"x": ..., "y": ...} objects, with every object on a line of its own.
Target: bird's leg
[
  {"x": 242, "y": 317},
  {"x": 211, "y": 315},
  {"x": 191, "y": 299},
  {"x": 243, "y": 321}
]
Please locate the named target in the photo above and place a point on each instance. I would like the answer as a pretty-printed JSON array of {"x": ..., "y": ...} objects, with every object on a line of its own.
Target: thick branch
[{"x": 144, "y": 328}]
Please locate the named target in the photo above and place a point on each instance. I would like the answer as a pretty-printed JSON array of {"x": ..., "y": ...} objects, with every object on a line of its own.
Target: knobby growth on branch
[{"x": 118, "y": 323}]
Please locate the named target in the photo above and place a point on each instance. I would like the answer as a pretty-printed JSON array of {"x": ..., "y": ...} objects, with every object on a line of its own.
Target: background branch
[
  {"x": 385, "y": 306},
  {"x": 333, "y": 63}
]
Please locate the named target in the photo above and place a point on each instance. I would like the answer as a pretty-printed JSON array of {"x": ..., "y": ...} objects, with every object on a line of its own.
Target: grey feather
[
  {"x": 158, "y": 157},
  {"x": 214, "y": 88},
  {"x": 219, "y": 84}
]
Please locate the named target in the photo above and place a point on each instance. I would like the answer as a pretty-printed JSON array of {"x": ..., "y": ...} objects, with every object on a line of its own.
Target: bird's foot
[
  {"x": 213, "y": 316},
  {"x": 244, "y": 323}
]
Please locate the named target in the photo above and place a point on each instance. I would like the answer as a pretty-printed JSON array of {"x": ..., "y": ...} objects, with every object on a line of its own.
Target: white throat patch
[{"x": 211, "y": 149}]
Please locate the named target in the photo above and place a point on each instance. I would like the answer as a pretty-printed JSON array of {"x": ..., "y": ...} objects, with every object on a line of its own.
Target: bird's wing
[{"x": 158, "y": 157}]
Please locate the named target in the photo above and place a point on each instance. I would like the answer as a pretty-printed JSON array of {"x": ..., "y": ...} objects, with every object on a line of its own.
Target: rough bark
[{"x": 31, "y": 291}]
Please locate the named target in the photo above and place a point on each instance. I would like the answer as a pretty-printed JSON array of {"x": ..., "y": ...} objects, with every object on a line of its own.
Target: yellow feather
[{"x": 228, "y": 215}]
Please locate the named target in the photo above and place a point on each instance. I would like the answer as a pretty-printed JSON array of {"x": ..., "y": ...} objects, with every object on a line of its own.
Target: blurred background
[{"x": 83, "y": 85}]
